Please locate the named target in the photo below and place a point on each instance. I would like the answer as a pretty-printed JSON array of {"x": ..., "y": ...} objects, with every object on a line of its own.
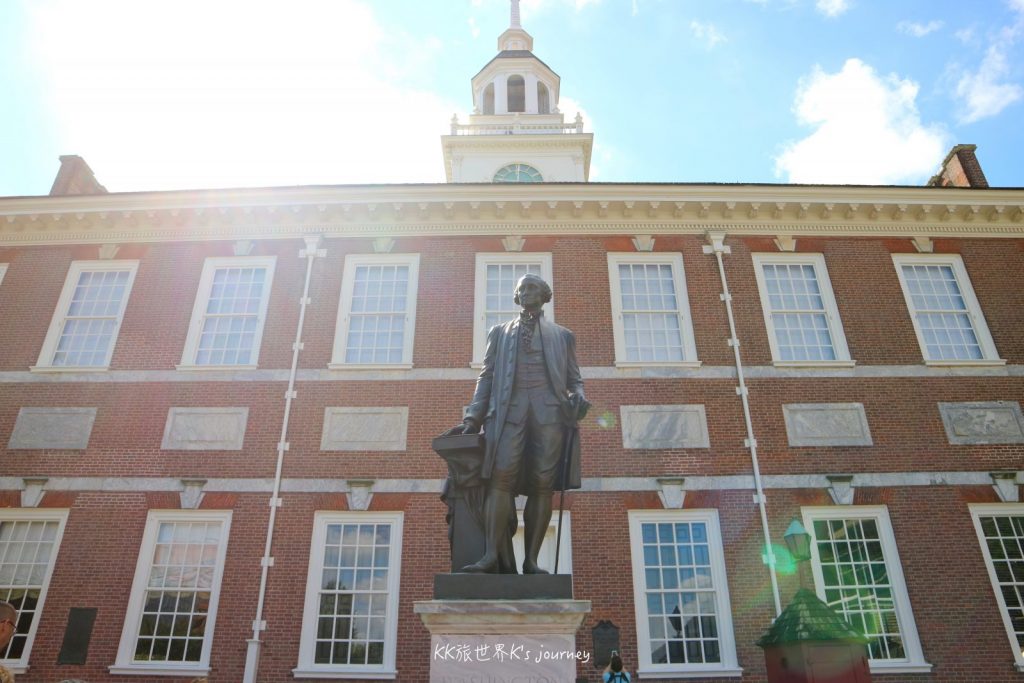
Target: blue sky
[{"x": 231, "y": 93}]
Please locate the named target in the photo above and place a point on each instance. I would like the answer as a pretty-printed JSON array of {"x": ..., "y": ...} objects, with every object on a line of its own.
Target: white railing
[{"x": 516, "y": 127}]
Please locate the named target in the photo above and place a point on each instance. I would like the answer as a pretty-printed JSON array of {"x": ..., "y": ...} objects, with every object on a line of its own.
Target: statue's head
[{"x": 531, "y": 281}]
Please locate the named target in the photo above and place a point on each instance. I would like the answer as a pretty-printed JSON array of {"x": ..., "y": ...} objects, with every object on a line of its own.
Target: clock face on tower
[{"x": 518, "y": 173}]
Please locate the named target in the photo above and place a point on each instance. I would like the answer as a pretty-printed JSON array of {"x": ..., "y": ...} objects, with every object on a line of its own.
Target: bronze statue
[{"x": 528, "y": 398}]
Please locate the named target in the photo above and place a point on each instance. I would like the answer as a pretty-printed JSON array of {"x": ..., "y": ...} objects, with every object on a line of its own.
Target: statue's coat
[{"x": 494, "y": 389}]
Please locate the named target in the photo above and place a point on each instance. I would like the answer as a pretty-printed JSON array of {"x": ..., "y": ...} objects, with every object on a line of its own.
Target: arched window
[
  {"x": 516, "y": 94},
  {"x": 543, "y": 100},
  {"x": 518, "y": 173},
  {"x": 489, "y": 99}
]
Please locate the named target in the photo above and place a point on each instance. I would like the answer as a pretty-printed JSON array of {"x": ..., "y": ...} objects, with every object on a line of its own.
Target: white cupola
[{"x": 516, "y": 132}]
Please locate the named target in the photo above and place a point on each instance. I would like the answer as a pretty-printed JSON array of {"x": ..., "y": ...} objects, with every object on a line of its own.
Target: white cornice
[
  {"x": 526, "y": 140},
  {"x": 502, "y": 209}
]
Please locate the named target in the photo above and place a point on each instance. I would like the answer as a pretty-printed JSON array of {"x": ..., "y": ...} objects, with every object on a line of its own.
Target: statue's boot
[
  {"x": 497, "y": 508},
  {"x": 536, "y": 518}
]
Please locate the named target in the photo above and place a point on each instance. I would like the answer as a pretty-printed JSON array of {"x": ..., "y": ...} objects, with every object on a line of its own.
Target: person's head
[
  {"x": 616, "y": 663},
  {"x": 8, "y": 622},
  {"x": 532, "y": 292}
]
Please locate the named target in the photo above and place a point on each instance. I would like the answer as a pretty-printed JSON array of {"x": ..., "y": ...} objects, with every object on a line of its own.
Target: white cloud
[
  {"x": 248, "y": 96},
  {"x": 532, "y": 8},
  {"x": 832, "y": 8},
  {"x": 474, "y": 28},
  {"x": 987, "y": 91},
  {"x": 919, "y": 30},
  {"x": 983, "y": 92},
  {"x": 867, "y": 130},
  {"x": 965, "y": 35},
  {"x": 707, "y": 33}
]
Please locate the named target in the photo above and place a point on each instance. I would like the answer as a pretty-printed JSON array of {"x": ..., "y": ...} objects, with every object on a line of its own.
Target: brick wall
[{"x": 956, "y": 613}]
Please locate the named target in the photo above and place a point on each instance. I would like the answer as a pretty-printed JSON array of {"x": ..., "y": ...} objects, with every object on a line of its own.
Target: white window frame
[
  {"x": 59, "y": 515},
  {"x": 3, "y": 271},
  {"x": 46, "y": 354},
  {"x": 675, "y": 259},
  {"x": 914, "y": 662},
  {"x": 988, "y": 348},
  {"x": 352, "y": 262},
  {"x": 306, "y": 667},
  {"x": 831, "y": 311},
  {"x": 480, "y": 292},
  {"x": 978, "y": 511},
  {"x": 125, "y": 663},
  {"x": 728, "y": 667},
  {"x": 195, "y": 327}
]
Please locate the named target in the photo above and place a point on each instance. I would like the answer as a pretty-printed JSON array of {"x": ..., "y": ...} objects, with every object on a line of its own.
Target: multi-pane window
[
  {"x": 173, "y": 603},
  {"x": 350, "y": 619},
  {"x": 682, "y": 600},
  {"x": 377, "y": 312},
  {"x": 799, "y": 309},
  {"x": 496, "y": 277},
  {"x": 1000, "y": 529},
  {"x": 29, "y": 540},
  {"x": 857, "y": 572},
  {"x": 947, "y": 318},
  {"x": 229, "y": 313},
  {"x": 650, "y": 309},
  {"x": 88, "y": 316}
]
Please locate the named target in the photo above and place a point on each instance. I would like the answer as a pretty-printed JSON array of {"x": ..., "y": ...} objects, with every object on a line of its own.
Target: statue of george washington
[{"x": 528, "y": 399}]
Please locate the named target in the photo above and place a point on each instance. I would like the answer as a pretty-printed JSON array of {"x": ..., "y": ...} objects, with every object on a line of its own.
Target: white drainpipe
[
  {"x": 252, "y": 652},
  {"x": 717, "y": 247}
]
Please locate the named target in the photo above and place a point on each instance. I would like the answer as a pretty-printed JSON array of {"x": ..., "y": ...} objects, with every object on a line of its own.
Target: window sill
[
  {"x": 68, "y": 368},
  {"x": 213, "y": 368},
  {"x": 657, "y": 364},
  {"x": 690, "y": 673},
  {"x": 1019, "y": 667},
  {"x": 899, "y": 668},
  {"x": 369, "y": 366},
  {"x": 814, "y": 363},
  {"x": 966, "y": 363},
  {"x": 146, "y": 670},
  {"x": 300, "y": 672},
  {"x": 14, "y": 667}
]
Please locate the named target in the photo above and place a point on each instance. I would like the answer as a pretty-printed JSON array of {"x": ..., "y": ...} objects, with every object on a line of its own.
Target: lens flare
[{"x": 785, "y": 564}]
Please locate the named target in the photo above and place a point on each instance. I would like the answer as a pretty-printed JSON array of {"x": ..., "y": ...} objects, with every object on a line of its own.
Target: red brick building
[{"x": 216, "y": 409}]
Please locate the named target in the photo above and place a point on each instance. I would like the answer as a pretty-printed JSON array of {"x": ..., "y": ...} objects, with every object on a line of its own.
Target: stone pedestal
[
  {"x": 502, "y": 587},
  {"x": 526, "y": 641}
]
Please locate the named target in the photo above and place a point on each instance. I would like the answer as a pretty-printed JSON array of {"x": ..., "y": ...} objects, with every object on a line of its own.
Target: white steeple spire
[{"x": 515, "y": 37}]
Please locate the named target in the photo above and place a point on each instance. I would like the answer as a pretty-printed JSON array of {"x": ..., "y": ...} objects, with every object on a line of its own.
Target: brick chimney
[
  {"x": 75, "y": 177},
  {"x": 960, "y": 169}
]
